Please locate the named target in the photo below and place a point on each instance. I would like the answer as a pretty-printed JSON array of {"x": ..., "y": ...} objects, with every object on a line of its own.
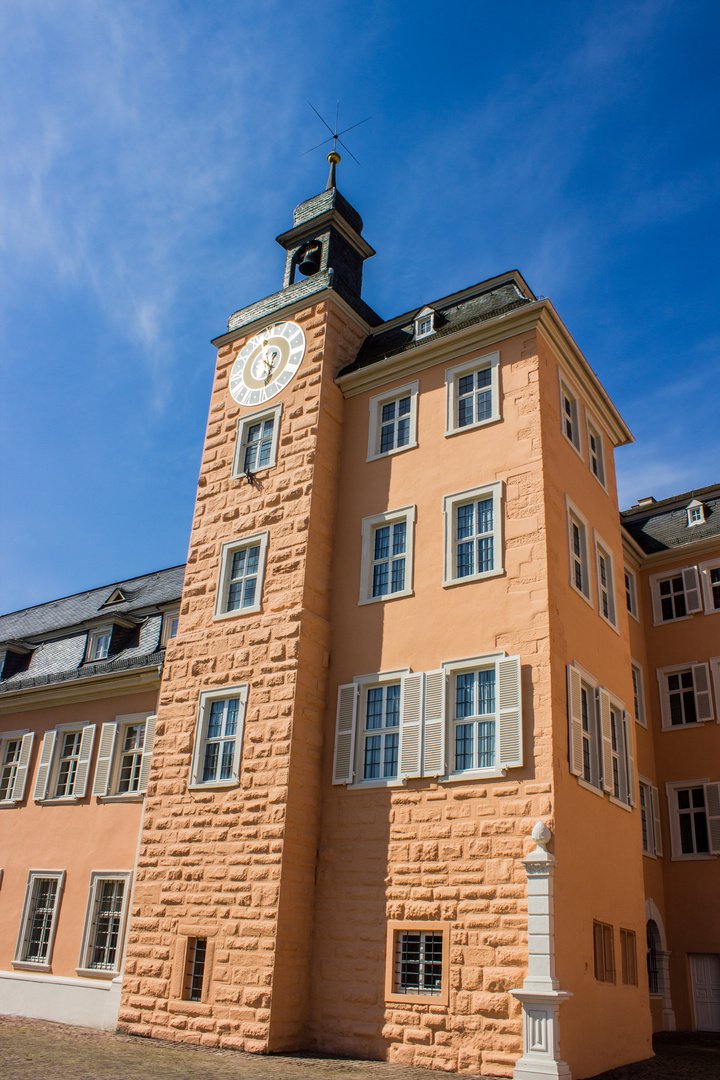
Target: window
[
  {"x": 381, "y": 731},
  {"x": 578, "y": 551},
  {"x": 387, "y": 543},
  {"x": 64, "y": 763},
  {"x": 694, "y": 813},
  {"x": 638, "y": 694},
  {"x": 170, "y": 625},
  {"x": 473, "y": 535},
  {"x": 393, "y": 421},
  {"x": 99, "y": 644},
  {"x": 695, "y": 513},
  {"x": 194, "y": 969},
  {"x": 596, "y": 452},
  {"x": 256, "y": 443},
  {"x": 124, "y": 756},
  {"x": 473, "y": 393},
  {"x": 605, "y": 582},
  {"x": 675, "y": 595},
  {"x": 570, "y": 412},
  {"x": 604, "y": 952},
  {"x": 650, "y": 818},
  {"x": 15, "y": 750},
  {"x": 628, "y": 956},
  {"x": 102, "y": 944},
  {"x": 601, "y": 743},
  {"x": 218, "y": 741},
  {"x": 39, "y": 919},
  {"x": 631, "y": 602},
  {"x": 474, "y": 704},
  {"x": 710, "y": 577},
  {"x": 424, "y": 323},
  {"x": 684, "y": 695},
  {"x": 418, "y": 963},
  {"x": 242, "y": 569}
]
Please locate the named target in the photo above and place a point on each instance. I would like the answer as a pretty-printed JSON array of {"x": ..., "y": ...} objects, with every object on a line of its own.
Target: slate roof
[
  {"x": 477, "y": 304},
  {"x": 663, "y": 526}
]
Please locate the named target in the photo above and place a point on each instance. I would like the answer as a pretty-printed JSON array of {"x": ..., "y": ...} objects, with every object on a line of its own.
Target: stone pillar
[
  {"x": 668, "y": 1013},
  {"x": 540, "y": 995}
]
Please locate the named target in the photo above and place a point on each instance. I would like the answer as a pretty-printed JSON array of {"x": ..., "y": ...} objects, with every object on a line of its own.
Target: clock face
[{"x": 267, "y": 363}]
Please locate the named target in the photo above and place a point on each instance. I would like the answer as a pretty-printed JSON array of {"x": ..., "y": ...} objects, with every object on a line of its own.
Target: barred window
[
  {"x": 194, "y": 969},
  {"x": 419, "y": 962}
]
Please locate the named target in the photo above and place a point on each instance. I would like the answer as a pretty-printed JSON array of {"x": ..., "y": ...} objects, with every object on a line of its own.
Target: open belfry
[{"x": 417, "y": 758}]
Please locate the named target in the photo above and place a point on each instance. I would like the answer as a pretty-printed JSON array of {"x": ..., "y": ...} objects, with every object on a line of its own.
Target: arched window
[{"x": 653, "y": 960}]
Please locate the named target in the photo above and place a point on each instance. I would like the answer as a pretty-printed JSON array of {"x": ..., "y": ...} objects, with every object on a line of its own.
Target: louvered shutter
[
  {"x": 606, "y": 728},
  {"x": 18, "y": 791},
  {"x": 712, "y": 807},
  {"x": 691, "y": 585},
  {"x": 104, "y": 761},
  {"x": 150, "y": 725},
  {"x": 411, "y": 725},
  {"x": 434, "y": 727},
  {"x": 575, "y": 721},
  {"x": 509, "y": 712},
  {"x": 664, "y": 700},
  {"x": 86, "y": 745},
  {"x": 701, "y": 685},
  {"x": 345, "y": 734},
  {"x": 43, "y": 774},
  {"x": 629, "y": 758},
  {"x": 656, "y": 821}
]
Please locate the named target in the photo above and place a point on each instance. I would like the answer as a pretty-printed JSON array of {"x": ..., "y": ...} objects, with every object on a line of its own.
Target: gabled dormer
[
  {"x": 695, "y": 513},
  {"x": 425, "y": 323}
]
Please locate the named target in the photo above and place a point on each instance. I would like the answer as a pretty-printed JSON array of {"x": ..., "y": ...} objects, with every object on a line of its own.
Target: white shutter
[
  {"x": 509, "y": 712},
  {"x": 606, "y": 728},
  {"x": 712, "y": 807},
  {"x": 43, "y": 774},
  {"x": 434, "y": 727},
  {"x": 691, "y": 585},
  {"x": 345, "y": 734},
  {"x": 150, "y": 725},
  {"x": 18, "y": 790},
  {"x": 701, "y": 686},
  {"x": 656, "y": 820},
  {"x": 629, "y": 758},
  {"x": 575, "y": 721},
  {"x": 411, "y": 725},
  {"x": 664, "y": 700},
  {"x": 104, "y": 761},
  {"x": 86, "y": 745}
]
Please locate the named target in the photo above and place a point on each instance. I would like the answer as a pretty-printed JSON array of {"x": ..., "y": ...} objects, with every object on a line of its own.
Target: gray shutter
[
  {"x": 575, "y": 721},
  {"x": 150, "y": 725},
  {"x": 691, "y": 585},
  {"x": 26, "y": 746},
  {"x": 43, "y": 774},
  {"x": 701, "y": 686},
  {"x": 86, "y": 745},
  {"x": 606, "y": 729},
  {"x": 345, "y": 734},
  {"x": 656, "y": 820},
  {"x": 629, "y": 758},
  {"x": 104, "y": 761},
  {"x": 434, "y": 727},
  {"x": 411, "y": 725},
  {"x": 509, "y": 712},
  {"x": 712, "y": 807}
]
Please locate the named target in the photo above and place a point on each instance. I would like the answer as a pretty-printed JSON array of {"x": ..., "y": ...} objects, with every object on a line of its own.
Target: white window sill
[
  {"x": 633, "y": 614},
  {"x": 569, "y": 441},
  {"x": 27, "y": 965},
  {"x": 597, "y": 478},
  {"x": 59, "y": 800},
  {"x": 641, "y": 723},
  {"x": 583, "y": 596},
  {"x": 620, "y": 803},
  {"x": 6, "y": 804},
  {"x": 697, "y": 726},
  {"x": 612, "y": 625},
  {"x": 219, "y": 616},
  {"x": 650, "y": 855},
  {"x": 677, "y": 619},
  {"x": 370, "y": 785},
  {"x": 216, "y": 785},
  {"x": 692, "y": 858},
  {"x": 590, "y": 787},
  {"x": 472, "y": 427},
  {"x": 450, "y": 583},
  {"x": 475, "y": 774},
  {"x": 130, "y": 796},
  {"x": 96, "y": 973},
  {"x": 391, "y": 453},
  {"x": 386, "y": 597}
]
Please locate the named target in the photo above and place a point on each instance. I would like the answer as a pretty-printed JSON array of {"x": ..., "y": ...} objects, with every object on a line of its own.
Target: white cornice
[
  {"x": 684, "y": 554},
  {"x": 113, "y": 684}
]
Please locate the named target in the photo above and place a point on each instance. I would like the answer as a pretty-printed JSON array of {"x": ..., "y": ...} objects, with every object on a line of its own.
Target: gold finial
[{"x": 334, "y": 158}]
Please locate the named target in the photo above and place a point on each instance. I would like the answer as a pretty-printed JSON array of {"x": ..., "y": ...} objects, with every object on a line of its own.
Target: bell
[{"x": 309, "y": 259}]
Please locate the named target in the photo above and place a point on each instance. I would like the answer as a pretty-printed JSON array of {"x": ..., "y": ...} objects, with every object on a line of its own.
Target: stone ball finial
[{"x": 541, "y": 835}]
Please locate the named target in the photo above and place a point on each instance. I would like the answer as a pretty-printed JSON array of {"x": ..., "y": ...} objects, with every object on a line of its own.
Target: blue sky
[{"x": 150, "y": 153}]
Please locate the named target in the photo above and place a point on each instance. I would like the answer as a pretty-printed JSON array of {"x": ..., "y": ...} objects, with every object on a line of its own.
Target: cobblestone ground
[{"x": 38, "y": 1050}]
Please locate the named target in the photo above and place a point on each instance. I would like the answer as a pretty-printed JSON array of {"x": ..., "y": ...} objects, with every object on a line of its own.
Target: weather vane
[{"x": 333, "y": 157}]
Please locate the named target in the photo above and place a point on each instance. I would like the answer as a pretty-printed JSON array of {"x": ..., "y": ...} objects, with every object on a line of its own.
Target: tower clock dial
[{"x": 267, "y": 363}]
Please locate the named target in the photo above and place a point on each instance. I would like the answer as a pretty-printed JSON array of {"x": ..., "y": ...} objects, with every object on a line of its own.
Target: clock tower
[{"x": 219, "y": 941}]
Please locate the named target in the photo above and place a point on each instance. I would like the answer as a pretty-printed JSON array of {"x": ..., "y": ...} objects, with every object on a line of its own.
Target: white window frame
[
  {"x": 207, "y": 697},
  {"x": 596, "y": 459},
  {"x": 618, "y": 758},
  {"x": 452, "y": 378},
  {"x": 47, "y": 774},
  {"x": 226, "y": 557},
  {"x": 690, "y": 591},
  {"x": 650, "y": 817},
  {"x": 639, "y": 693},
  {"x": 630, "y": 582},
  {"x": 108, "y": 769},
  {"x": 427, "y": 315},
  {"x": 506, "y": 716},
  {"x": 170, "y": 619},
  {"x": 34, "y": 878},
  {"x": 701, "y": 693},
  {"x": 568, "y": 391},
  {"x": 695, "y": 513},
  {"x": 579, "y": 679},
  {"x": 18, "y": 774},
  {"x": 363, "y": 684},
  {"x": 603, "y": 554},
  {"x": 705, "y": 569},
  {"x": 97, "y": 879},
  {"x": 450, "y": 506},
  {"x": 376, "y": 405},
  {"x": 714, "y": 664},
  {"x": 575, "y": 517},
  {"x": 712, "y": 803},
  {"x": 244, "y": 423},
  {"x": 370, "y": 525},
  {"x": 94, "y": 639}
]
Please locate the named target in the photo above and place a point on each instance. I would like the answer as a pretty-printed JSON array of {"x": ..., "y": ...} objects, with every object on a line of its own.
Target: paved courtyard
[{"x": 38, "y": 1050}]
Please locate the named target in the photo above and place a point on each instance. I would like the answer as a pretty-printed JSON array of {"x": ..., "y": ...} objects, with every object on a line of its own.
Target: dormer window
[
  {"x": 695, "y": 513},
  {"x": 99, "y": 644},
  {"x": 424, "y": 323},
  {"x": 117, "y": 596}
]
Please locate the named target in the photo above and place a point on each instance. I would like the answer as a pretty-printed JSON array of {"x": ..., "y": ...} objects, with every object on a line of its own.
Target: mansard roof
[{"x": 663, "y": 525}]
